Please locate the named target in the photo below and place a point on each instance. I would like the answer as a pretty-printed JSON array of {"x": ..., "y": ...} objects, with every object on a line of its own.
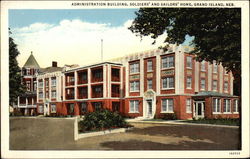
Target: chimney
[{"x": 54, "y": 64}]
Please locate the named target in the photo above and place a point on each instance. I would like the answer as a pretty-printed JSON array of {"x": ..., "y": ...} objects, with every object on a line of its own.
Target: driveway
[{"x": 57, "y": 134}]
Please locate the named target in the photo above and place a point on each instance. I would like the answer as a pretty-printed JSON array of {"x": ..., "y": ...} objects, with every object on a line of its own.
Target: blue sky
[
  {"x": 116, "y": 17},
  {"x": 73, "y": 36}
]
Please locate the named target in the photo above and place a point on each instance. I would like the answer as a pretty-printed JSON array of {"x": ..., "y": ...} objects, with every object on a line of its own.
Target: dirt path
[{"x": 57, "y": 134}]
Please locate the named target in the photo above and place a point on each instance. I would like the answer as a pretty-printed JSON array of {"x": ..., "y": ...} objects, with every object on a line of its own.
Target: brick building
[{"x": 147, "y": 85}]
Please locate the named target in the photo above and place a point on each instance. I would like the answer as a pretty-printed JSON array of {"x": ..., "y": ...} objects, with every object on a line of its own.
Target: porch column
[
  {"x": 89, "y": 86},
  {"x": 18, "y": 101},
  {"x": 32, "y": 101},
  {"x": 26, "y": 100},
  {"x": 76, "y": 79}
]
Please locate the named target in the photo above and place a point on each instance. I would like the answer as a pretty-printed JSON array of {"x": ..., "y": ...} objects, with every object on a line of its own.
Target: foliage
[
  {"x": 168, "y": 116},
  {"x": 216, "y": 32},
  {"x": 217, "y": 121},
  {"x": 15, "y": 86},
  {"x": 102, "y": 119}
]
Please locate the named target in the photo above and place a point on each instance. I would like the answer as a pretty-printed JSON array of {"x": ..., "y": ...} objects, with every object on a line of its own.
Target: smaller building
[{"x": 49, "y": 90}]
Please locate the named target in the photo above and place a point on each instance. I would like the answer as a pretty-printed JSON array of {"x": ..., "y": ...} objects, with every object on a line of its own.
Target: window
[
  {"x": 149, "y": 65},
  {"x": 225, "y": 86},
  {"x": 167, "y": 62},
  {"x": 189, "y": 82},
  {"x": 134, "y": 68},
  {"x": 53, "y": 81},
  {"x": 214, "y": 85},
  {"x": 134, "y": 106},
  {"x": 167, "y": 106},
  {"x": 226, "y": 105},
  {"x": 134, "y": 86},
  {"x": 84, "y": 107},
  {"x": 215, "y": 68},
  {"x": 40, "y": 108},
  {"x": 168, "y": 82},
  {"x": 189, "y": 61},
  {"x": 47, "y": 82},
  {"x": 28, "y": 85},
  {"x": 40, "y": 84},
  {"x": 53, "y": 94},
  {"x": 188, "y": 106},
  {"x": 203, "y": 84},
  {"x": 236, "y": 105},
  {"x": 203, "y": 66},
  {"x": 53, "y": 108},
  {"x": 28, "y": 71},
  {"x": 71, "y": 79},
  {"x": 216, "y": 105},
  {"x": 35, "y": 85},
  {"x": 40, "y": 95},
  {"x": 98, "y": 106},
  {"x": 150, "y": 86}
]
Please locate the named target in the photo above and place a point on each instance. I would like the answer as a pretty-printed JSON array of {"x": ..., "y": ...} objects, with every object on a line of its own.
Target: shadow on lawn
[{"x": 148, "y": 145}]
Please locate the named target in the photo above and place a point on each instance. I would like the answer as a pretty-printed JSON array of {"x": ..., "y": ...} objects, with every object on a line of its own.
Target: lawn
[{"x": 233, "y": 122}]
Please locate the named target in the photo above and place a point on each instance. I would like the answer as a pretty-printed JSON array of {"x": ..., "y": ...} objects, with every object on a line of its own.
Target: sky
[{"x": 74, "y": 36}]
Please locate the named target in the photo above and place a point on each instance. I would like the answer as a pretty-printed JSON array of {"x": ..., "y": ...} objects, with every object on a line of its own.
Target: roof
[
  {"x": 31, "y": 62},
  {"x": 211, "y": 93},
  {"x": 50, "y": 69}
]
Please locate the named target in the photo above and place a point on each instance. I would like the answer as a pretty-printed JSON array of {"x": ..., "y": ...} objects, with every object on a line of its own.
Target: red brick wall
[
  {"x": 126, "y": 108},
  {"x": 153, "y": 59}
]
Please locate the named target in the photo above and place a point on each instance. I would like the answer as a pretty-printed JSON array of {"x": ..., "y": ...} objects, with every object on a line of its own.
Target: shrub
[
  {"x": 169, "y": 116},
  {"x": 101, "y": 120}
]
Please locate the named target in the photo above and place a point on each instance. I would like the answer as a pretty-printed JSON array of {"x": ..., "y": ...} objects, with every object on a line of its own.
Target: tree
[
  {"x": 15, "y": 86},
  {"x": 216, "y": 31}
]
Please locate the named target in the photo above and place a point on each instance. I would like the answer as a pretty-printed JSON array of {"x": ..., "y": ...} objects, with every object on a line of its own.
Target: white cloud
[{"x": 78, "y": 42}]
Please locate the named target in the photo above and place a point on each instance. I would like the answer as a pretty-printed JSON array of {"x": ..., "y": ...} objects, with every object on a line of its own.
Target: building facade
[
  {"x": 151, "y": 84},
  {"x": 26, "y": 103}
]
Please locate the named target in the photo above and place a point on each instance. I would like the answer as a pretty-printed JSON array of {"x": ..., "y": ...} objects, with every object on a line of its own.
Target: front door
[
  {"x": 199, "y": 109},
  {"x": 150, "y": 111}
]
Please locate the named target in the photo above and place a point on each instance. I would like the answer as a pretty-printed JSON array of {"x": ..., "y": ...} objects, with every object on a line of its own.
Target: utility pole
[{"x": 102, "y": 49}]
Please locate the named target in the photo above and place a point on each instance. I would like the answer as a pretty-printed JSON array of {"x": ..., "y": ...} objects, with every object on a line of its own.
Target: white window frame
[
  {"x": 214, "y": 85},
  {"x": 134, "y": 68},
  {"x": 215, "y": 68},
  {"x": 53, "y": 108},
  {"x": 149, "y": 66},
  {"x": 167, "y": 100},
  {"x": 167, "y": 79},
  {"x": 134, "y": 86},
  {"x": 203, "y": 79},
  {"x": 189, "y": 82},
  {"x": 134, "y": 106},
  {"x": 167, "y": 62},
  {"x": 189, "y": 61},
  {"x": 188, "y": 105},
  {"x": 226, "y": 106},
  {"x": 28, "y": 71},
  {"x": 53, "y": 95},
  {"x": 203, "y": 66},
  {"x": 35, "y": 85},
  {"x": 216, "y": 103},
  {"x": 149, "y": 84},
  {"x": 40, "y": 84},
  {"x": 236, "y": 105},
  {"x": 225, "y": 86},
  {"x": 53, "y": 81},
  {"x": 40, "y": 95}
]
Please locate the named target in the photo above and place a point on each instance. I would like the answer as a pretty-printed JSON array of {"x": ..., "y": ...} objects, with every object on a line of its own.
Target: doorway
[{"x": 199, "y": 109}]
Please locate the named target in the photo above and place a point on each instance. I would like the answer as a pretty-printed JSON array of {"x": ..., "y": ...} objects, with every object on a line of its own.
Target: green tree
[
  {"x": 216, "y": 32},
  {"x": 15, "y": 86}
]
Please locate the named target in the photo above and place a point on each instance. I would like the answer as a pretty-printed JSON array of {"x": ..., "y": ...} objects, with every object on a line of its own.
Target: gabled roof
[
  {"x": 31, "y": 62},
  {"x": 50, "y": 69}
]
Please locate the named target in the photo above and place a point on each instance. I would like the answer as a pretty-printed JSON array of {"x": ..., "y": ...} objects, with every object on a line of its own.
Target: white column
[
  {"x": 221, "y": 74},
  {"x": 26, "y": 101},
  {"x": 49, "y": 88},
  {"x": 121, "y": 82},
  {"x": 75, "y": 74},
  {"x": 105, "y": 81},
  {"x": 141, "y": 76},
  {"x": 18, "y": 101},
  {"x": 127, "y": 79},
  {"x": 177, "y": 73},
  {"x": 209, "y": 74},
  {"x": 89, "y": 86},
  {"x": 32, "y": 103},
  {"x": 63, "y": 86},
  {"x": 231, "y": 83},
  {"x": 158, "y": 74},
  {"x": 196, "y": 76}
]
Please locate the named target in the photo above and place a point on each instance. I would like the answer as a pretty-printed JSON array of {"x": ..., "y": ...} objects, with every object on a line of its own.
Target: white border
[{"x": 5, "y": 5}]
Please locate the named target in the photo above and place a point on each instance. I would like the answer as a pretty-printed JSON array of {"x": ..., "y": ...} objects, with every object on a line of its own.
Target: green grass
[{"x": 233, "y": 122}]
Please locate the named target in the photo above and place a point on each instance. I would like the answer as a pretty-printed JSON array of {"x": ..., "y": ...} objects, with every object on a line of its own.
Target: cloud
[{"x": 78, "y": 42}]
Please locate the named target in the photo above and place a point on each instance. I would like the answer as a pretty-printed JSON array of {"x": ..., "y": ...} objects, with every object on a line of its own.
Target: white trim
[{"x": 166, "y": 112}]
